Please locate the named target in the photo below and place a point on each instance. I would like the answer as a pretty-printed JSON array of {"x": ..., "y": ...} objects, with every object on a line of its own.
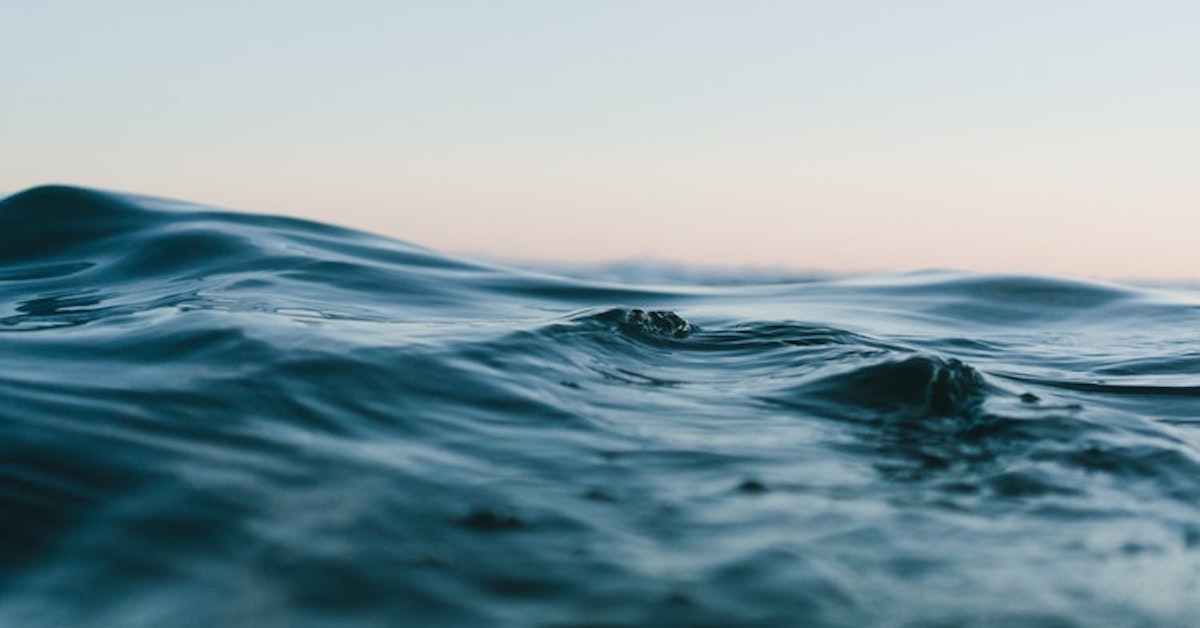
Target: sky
[{"x": 1047, "y": 136}]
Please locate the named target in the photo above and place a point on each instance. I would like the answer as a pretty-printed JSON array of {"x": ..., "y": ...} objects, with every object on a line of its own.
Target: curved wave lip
[
  {"x": 211, "y": 418},
  {"x": 919, "y": 386}
]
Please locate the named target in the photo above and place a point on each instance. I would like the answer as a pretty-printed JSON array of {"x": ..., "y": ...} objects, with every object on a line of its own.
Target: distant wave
[{"x": 211, "y": 419}]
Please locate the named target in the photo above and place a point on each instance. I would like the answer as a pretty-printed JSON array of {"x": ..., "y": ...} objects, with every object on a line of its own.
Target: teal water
[{"x": 215, "y": 419}]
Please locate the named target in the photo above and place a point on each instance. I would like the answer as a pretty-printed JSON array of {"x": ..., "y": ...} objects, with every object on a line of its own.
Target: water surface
[{"x": 213, "y": 419}]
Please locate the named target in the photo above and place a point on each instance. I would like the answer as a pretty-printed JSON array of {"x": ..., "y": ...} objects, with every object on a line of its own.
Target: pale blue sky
[{"x": 1047, "y": 136}]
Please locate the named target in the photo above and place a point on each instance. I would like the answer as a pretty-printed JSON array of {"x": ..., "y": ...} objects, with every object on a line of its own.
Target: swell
[
  {"x": 57, "y": 239},
  {"x": 212, "y": 418},
  {"x": 70, "y": 255}
]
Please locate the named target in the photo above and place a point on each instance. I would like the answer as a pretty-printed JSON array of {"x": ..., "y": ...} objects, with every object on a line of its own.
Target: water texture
[{"x": 215, "y": 419}]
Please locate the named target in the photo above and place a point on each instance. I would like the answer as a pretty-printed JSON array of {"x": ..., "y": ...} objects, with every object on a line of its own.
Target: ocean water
[{"x": 219, "y": 419}]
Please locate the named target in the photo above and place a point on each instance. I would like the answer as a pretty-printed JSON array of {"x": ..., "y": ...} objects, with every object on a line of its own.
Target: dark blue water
[{"x": 216, "y": 419}]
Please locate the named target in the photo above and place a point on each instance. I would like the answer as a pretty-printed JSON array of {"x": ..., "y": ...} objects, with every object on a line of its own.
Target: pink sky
[{"x": 1049, "y": 137}]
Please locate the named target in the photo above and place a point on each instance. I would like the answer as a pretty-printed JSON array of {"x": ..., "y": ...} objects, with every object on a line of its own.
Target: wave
[{"x": 214, "y": 418}]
